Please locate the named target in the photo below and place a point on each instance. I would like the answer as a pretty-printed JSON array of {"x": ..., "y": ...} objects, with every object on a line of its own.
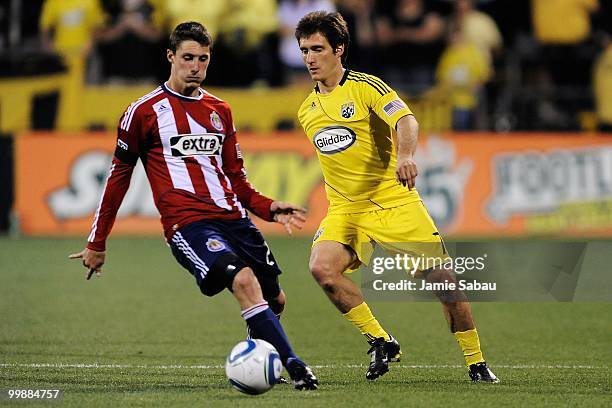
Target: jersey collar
[
  {"x": 342, "y": 81},
  {"x": 166, "y": 88}
]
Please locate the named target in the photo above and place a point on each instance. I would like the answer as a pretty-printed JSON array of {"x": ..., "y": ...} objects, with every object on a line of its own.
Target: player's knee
[
  {"x": 321, "y": 271},
  {"x": 447, "y": 296},
  {"x": 244, "y": 280},
  {"x": 325, "y": 277}
]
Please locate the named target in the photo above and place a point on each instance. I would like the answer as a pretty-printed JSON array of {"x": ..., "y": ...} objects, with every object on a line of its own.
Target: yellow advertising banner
[{"x": 473, "y": 184}]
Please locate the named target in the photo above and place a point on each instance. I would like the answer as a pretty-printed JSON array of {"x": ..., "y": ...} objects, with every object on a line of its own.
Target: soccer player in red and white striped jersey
[{"x": 186, "y": 140}]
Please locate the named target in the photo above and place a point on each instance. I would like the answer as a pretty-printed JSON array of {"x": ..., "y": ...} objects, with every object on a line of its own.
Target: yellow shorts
[{"x": 406, "y": 229}]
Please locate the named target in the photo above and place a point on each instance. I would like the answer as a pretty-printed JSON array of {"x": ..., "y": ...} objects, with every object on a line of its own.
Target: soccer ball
[{"x": 253, "y": 366}]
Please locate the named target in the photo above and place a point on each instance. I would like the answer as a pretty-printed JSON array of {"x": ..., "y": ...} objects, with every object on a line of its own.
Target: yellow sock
[
  {"x": 470, "y": 345},
  {"x": 362, "y": 318}
]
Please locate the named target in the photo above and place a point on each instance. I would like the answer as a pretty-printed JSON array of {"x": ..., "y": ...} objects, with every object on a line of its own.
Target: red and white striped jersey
[{"x": 192, "y": 159}]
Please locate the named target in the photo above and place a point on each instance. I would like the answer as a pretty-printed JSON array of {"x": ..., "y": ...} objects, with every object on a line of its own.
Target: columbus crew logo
[{"x": 347, "y": 110}]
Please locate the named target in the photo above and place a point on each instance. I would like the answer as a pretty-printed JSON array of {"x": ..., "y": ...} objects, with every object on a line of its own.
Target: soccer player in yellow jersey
[{"x": 365, "y": 137}]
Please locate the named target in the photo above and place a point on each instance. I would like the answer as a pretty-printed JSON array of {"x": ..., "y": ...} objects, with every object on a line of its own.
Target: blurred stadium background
[{"x": 514, "y": 99}]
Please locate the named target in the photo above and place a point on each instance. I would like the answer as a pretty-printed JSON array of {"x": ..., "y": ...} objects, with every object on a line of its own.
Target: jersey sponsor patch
[
  {"x": 215, "y": 120},
  {"x": 214, "y": 245},
  {"x": 334, "y": 139},
  {"x": 393, "y": 106},
  {"x": 205, "y": 144},
  {"x": 347, "y": 110}
]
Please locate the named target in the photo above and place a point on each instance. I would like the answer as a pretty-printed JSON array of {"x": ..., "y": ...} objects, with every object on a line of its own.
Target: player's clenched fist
[
  {"x": 92, "y": 260},
  {"x": 406, "y": 171}
]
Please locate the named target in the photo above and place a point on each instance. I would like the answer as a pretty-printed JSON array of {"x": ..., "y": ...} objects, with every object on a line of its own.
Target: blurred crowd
[{"x": 501, "y": 63}]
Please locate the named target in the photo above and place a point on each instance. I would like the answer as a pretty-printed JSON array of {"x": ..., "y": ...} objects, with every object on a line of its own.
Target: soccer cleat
[
  {"x": 302, "y": 376},
  {"x": 394, "y": 353},
  {"x": 381, "y": 353},
  {"x": 479, "y": 372}
]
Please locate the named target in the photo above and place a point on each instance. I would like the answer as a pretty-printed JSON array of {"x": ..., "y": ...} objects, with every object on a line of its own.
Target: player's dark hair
[
  {"x": 331, "y": 25},
  {"x": 190, "y": 30}
]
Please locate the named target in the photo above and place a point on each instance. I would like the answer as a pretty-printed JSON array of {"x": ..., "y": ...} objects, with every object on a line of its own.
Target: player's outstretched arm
[
  {"x": 407, "y": 136},
  {"x": 116, "y": 186},
  {"x": 290, "y": 215},
  {"x": 92, "y": 261}
]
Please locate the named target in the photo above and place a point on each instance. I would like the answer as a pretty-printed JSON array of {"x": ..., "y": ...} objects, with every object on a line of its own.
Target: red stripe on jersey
[
  {"x": 193, "y": 167},
  {"x": 197, "y": 177}
]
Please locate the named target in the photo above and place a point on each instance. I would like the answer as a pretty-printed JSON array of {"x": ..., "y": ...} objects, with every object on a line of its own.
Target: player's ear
[
  {"x": 170, "y": 55},
  {"x": 340, "y": 50}
]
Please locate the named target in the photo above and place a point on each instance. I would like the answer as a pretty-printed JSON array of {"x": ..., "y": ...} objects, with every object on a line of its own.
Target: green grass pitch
[{"x": 142, "y": 335}]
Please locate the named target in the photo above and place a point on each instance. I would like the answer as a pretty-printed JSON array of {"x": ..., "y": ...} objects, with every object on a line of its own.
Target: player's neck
[
  {"x": 332, "y": 82},
  {"x": 182, "y": 89}
]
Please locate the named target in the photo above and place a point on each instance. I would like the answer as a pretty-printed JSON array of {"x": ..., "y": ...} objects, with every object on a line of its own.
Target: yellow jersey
[
  {"x": 73, "y": 21},
  {"x": 463, "y": 68},
  {"x": 352, "y": 130},
  {"x": 562, "y": 21},
  {"x": 602, "y": 86}
]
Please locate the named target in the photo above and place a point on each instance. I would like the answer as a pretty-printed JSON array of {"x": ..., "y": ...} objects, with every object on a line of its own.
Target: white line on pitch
[{"x": 208, "y": 367}]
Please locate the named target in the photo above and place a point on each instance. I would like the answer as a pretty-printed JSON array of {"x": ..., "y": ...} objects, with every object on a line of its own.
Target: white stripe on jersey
[
  {"x": 129, "y": 114},
  {"x": 94, "y": 227},
  {"x": 212, "y": 182},
  {"x": 167, "y": 128},
  {"x": 209, "y": 171}
]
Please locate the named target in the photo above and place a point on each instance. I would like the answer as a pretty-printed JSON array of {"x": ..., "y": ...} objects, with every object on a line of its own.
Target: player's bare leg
[
  {"x": 456, "y": 307},
  {"x": 328, "y": 262},
  {"x": 246, "y": 289},
  {"x": 458, "y": 313},
  {"x": 261, "y": 319}
]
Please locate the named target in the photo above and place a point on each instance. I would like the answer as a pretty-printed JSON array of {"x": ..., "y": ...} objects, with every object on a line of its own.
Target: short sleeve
[
  {"x": 380, "y": 98},
  {"x": 391, "y": 108}
]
